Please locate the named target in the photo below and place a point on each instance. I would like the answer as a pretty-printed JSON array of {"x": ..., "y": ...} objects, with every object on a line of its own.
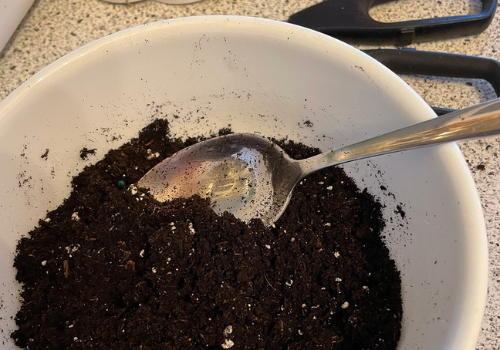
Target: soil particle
[
  {"x": 399, "y": 210},
  {"x": 45, "y": 154},
  {"x": 138, "y": 274},
  {"x": 84, "y": 152}
]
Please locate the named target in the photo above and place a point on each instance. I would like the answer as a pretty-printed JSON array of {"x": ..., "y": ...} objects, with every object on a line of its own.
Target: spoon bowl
[{"x": 244, "y": 174}]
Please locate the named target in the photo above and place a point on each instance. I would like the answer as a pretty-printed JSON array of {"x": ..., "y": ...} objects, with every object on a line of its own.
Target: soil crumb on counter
[{"x": 112, "y": 268}]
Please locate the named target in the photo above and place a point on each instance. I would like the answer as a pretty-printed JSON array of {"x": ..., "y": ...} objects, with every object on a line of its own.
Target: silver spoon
[{"x": 250, "y": 177}]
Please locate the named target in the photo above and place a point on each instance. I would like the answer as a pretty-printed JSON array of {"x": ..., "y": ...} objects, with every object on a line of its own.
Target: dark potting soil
[{"x": 112, "y": 268}]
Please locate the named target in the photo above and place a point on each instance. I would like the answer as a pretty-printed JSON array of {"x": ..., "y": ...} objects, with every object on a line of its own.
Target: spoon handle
[{"x": 477, "y": 121}]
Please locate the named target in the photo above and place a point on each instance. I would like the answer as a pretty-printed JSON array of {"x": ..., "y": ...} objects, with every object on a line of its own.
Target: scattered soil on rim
[{"x": 112, "y": 268}]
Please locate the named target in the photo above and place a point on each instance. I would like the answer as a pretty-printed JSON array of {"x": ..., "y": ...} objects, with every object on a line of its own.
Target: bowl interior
[{"x": 256, "y": 76}]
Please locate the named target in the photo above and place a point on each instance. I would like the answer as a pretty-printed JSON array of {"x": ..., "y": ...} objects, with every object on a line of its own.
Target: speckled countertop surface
[{"x": 53, "y": 28}]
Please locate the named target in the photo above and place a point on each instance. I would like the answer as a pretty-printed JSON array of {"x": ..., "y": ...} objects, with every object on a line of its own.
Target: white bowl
[{"x": 265, "y": 77}]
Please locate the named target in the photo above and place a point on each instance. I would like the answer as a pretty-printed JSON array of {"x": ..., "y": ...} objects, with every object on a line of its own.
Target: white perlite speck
[
  {"x": 141, "y": 254},
  {"x": 191, "y": 228},
  {"x": 44, "y": 262},
  {"x": 133, "y": 190},
  {"x": 228, "y": 344},
  {"x": 75, "y": 216},
  {"x": 47, "y": 220},
  {"x": 151, "y": 155},
  {"x": 329, "y": 188},
  {"x": 71, "y": 249},
  {"x": 228, "y": 330},
  {"x": 345, "y": 305},
  {"x": 336, "y": 254}
]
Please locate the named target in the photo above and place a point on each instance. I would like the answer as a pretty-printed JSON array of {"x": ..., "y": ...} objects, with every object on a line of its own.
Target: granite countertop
[{"x": 53, "y": 28}]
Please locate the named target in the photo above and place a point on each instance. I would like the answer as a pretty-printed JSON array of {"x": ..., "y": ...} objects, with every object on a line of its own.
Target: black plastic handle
[
  {"x": 348, "y": 20},
  {"x": 440, "y": 64}
]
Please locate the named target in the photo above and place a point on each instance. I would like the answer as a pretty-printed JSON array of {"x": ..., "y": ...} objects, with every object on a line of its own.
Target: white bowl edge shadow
[{"x": 461, "y": 332}]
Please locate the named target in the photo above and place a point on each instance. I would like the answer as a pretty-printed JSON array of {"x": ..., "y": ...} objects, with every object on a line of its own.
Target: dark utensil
[
  {"x": 349, "y": 20},
  {"x": 440, "y": 64}
]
